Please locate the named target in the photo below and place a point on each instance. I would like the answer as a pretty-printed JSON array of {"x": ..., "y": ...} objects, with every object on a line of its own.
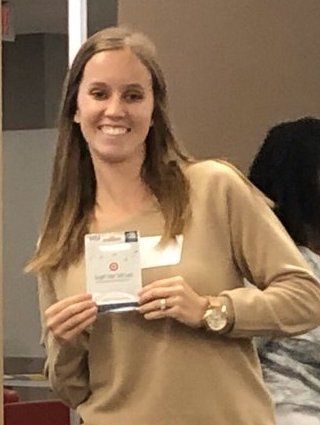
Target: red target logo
[{"x": 113, "y": 267}]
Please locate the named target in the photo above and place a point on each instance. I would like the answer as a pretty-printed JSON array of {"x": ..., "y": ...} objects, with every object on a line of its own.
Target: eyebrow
[{"x": 136, "y": 86}]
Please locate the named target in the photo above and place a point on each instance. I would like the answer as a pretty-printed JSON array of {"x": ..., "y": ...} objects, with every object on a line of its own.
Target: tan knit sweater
[{"x": 130, "y": 371}]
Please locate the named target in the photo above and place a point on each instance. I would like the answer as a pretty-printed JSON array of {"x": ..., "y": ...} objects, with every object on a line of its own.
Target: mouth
[{"x": 112, "y": 130}]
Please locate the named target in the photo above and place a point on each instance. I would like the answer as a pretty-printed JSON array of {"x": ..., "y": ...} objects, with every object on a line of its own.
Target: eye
[
  {"x": 99, "y": 94},
  {"x": 133, "y": 96}
]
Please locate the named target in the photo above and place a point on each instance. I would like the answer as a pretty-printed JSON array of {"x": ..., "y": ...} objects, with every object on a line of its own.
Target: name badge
[{"x": 153, "y": 255}]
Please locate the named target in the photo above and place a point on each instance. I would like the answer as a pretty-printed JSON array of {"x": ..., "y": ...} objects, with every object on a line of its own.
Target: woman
[
  {"x": 287, "y": 170},
  {"x": 118, "y": 167}
]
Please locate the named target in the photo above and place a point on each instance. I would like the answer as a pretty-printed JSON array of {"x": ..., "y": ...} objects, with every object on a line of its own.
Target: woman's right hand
[{"x": 67, "y": 318}]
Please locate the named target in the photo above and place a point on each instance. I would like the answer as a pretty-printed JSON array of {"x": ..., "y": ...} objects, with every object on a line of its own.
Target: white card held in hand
[{"x": 113, "y": 270}]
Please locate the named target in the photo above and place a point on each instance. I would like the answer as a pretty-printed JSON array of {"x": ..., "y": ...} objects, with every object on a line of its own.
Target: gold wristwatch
[{"x": 218, "y": 318}]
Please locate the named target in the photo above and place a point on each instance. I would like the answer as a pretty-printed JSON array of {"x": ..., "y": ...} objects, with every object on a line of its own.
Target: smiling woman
[
  {"x": 184, "y": 356},
  {"x": 115, "y": 107}
]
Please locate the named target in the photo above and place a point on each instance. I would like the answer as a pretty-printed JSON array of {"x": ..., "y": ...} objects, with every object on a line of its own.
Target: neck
[{"x": 120, "y": 188}]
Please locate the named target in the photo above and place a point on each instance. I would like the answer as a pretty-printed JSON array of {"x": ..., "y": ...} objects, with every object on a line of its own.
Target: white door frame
[{"x": 77, "y": 26}]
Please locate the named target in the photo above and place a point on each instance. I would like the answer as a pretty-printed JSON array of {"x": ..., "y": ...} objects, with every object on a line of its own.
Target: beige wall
[{"x": 234, "y": 67}]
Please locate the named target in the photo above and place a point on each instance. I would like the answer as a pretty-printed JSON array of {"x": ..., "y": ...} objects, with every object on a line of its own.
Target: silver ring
[{"x": 163, "y": 304}]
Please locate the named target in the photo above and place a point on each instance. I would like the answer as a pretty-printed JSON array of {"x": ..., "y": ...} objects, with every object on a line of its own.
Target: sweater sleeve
[
  {"x": 66, "y": 365},
  {"x": 286, "y": 297}
]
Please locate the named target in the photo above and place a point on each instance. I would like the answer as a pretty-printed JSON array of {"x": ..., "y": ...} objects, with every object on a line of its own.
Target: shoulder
[
  {"x": 222, "y": 175},
  {"x": 216, "y": 171},
  {"x": 210, "y": 168}
]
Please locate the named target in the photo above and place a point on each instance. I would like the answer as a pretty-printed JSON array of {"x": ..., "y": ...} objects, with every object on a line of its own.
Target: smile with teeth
[{"x": 114, "y": 131}]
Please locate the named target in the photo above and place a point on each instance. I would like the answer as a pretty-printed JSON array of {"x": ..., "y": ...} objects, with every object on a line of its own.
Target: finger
[
  {"x": 72, "y": 333},
  {"x": 160, "y": 314},
  {"x": 161, "y": 292},
  {"x": 156, "y": 305},
  {"x": 62, "y": 304},
  {"x": 81, "y": 327},
  {"x": 68, "y": 312},
  {"x": 75, "y": 322},
  {"x": 162, "y": 283}
]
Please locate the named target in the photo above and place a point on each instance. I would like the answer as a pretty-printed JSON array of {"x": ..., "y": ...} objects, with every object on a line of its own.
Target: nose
[{"x": 114, "y": 107}]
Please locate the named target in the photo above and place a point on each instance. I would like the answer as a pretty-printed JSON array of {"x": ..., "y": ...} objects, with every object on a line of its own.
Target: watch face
[{"x": 216, "y": 319}]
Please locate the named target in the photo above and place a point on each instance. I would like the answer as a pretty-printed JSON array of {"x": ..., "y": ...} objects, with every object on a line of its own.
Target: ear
[{"x": 76, "y": 117}]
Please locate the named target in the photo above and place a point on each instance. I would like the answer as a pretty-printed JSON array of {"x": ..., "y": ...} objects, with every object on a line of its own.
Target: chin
[{"x": 114, "y": 157}]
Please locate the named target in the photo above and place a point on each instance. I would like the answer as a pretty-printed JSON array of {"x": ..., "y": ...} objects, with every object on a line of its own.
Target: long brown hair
[{"x": 73, "y": 187}]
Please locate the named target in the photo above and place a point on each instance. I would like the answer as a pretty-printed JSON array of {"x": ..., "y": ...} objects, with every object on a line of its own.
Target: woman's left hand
[{"x": 174, "y": 298}]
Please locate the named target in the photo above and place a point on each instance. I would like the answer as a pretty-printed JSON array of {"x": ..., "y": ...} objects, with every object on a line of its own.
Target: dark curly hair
[{"x": 287, "y": 170}]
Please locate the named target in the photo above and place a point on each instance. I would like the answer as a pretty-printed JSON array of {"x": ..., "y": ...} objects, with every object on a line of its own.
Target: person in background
[
  {"x": 287, "y": 170},
  {"x": 185, "y": 355}
]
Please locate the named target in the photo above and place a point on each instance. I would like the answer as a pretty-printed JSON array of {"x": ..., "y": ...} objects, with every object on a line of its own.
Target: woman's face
[{"x": 115, "y": 106}]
